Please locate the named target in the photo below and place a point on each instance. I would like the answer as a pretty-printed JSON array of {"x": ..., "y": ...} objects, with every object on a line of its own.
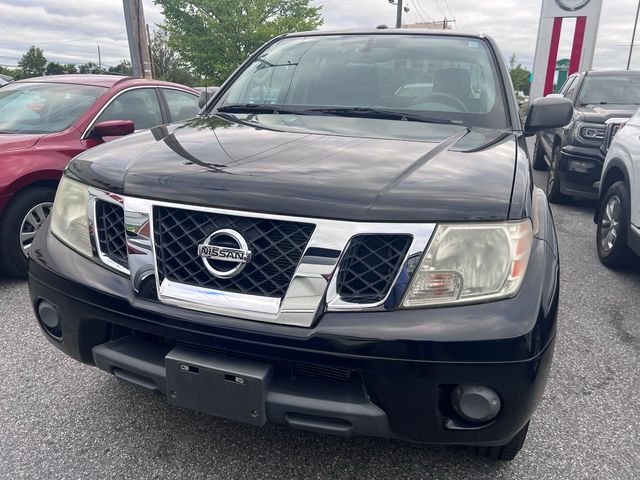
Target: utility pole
[
  {"x": 399, "y": 15},
  {"x": 633, "y": 37},
  {"x": 99, "y": 60},
  {"x": 138, "y": 43}
]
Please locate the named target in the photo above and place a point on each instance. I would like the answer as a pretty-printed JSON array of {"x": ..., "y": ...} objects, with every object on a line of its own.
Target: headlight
[
  {"x": 471, "y": 263},
  {"x": 69, "y": 220},
  {"x": 591, "y": 132}
]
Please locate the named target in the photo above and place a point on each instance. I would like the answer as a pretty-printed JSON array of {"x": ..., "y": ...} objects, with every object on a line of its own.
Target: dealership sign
[{"x": 587, "y": 15}]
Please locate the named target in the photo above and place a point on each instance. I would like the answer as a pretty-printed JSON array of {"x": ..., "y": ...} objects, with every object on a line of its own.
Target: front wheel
[
  {"x": 504, "y": 453},
  {"x": 613, "y": 227},
  {"x": 553, "y": 179},
  {"x": 22, "y": 219}
]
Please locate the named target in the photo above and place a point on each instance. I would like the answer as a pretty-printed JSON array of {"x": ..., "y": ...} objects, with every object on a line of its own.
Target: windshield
[
  {"x": 610, "y": 89},
  {"x": 43, "y": 107},
  {"x": 439, "y": 77}
]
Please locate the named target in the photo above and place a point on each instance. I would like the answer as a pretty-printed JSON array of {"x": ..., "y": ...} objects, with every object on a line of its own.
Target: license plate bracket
[{"x": 220, "y": 385}]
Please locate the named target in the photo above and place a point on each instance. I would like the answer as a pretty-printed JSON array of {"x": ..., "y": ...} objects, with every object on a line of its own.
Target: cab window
[{"x": 140, "y": 106}]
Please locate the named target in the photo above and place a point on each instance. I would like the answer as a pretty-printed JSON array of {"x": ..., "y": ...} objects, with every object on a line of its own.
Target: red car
[{"x": 46, "y": 121}]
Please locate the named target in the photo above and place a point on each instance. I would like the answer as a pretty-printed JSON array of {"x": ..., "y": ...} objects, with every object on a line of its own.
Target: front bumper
[
  {"x": 579, "y": 169},
  {"x": 402, "y": 366}
]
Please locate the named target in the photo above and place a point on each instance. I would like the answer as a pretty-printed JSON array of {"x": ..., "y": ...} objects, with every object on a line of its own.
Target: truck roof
[{"x": 386, "y": 31}]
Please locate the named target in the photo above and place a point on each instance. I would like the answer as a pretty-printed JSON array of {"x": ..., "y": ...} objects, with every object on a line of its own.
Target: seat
[
  {"x": 453, "y": 81},
  {"x": 136, "y": 110}
]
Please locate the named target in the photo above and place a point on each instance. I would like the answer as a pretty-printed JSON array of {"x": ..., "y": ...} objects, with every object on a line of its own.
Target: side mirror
[
  {"x": 205, "y": 95},
  {"x": 548, "y": 112},
  {"x": 113, "y": 128}
]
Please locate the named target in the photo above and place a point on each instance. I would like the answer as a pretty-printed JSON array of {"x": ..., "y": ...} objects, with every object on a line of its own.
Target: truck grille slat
[
  {"x": 369, "y": 267},
  {"x": 111, "y": 232}
]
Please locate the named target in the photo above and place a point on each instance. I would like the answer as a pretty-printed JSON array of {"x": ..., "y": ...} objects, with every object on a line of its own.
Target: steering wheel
[{"x": 441, "y": 97}]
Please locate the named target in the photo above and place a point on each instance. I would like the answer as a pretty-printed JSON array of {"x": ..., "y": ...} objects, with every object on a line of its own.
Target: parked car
[
  {"x": 319, "y": 252},
  {"x": 5, "y": 80},
  {"x": 572, "y": 153},
  {"x": 46, "y": 121},
  {"x": 618, "y": 213}
]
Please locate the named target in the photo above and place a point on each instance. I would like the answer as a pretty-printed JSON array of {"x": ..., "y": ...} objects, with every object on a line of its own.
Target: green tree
[
  {"x": 215, "y": 36},
  {"x": 89, "y": 67},
  {"x": 55, "y": 68},
  {"x": 70, "y": 68},
  {"x": 33, "y": 63},
  {"x": 9, "y": 72},
  {"x": 519, "y": 75},
  {"x": 123, "y": 68},
  {"x": 167, "y": 64}
]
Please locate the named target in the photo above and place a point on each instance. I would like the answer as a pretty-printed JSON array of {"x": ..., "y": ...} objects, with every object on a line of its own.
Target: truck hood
[
  {"x": 322, "y": 167},
  {"x": 15, "y": 141},
  {"x": 602, "y": 113}
]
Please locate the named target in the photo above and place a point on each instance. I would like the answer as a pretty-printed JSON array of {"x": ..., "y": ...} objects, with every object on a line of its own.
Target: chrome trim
[
  {"x": 612, "y": 127},
  {"x": 85, "y": 133},
  {"x": 242, "y": 248},
  {"x": 312, "y": 287},
  {"x": 95, "y": 195}
]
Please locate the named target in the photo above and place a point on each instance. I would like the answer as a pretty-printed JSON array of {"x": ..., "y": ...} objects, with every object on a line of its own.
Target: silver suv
[{"x": 618, "y": 212}]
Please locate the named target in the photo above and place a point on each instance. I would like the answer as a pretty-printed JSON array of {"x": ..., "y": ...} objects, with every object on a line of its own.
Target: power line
[
  {"x": 422, "y": 19},
  {"x": 424, "y": 11},
  {"x": 446, "y": 4}
]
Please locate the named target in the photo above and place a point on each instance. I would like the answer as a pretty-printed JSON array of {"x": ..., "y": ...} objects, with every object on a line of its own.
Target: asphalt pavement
[{"x": 63, "y": 420}]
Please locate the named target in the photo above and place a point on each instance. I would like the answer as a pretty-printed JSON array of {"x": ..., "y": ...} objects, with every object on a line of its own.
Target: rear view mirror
[
  {"x": 205, "y": 95},
  {"x": 113, "y": 128},
  {"x": 548, "y": 112}
]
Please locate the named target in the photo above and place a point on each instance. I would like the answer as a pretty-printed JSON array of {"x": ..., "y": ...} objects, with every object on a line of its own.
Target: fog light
[
  {"x": 476, "y": 403},
  {"x": 581, "y": 166},
  {"x": 50, "y": 319}
]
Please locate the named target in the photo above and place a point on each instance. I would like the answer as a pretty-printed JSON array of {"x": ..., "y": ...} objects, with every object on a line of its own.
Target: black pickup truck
[
  {"x": 323, "y": 246},
  {"x": 573, "y": 154}
]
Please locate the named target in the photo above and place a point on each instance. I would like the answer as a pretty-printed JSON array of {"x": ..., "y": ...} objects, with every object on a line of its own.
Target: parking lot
[{"x": 60, "y": 419}]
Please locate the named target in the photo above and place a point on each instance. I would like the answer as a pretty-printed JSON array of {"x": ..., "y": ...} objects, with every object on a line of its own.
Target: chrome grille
[
  {"x": 111, "y": 232},
  {"x": 277, "y": 247},
  {"x": 369, "y": 266}
]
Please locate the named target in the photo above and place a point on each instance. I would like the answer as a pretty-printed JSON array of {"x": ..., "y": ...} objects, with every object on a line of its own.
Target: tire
[
  {"x": 539, "y": 162},
  {"x": 613, "y": 227},
  {"x": 553, "y": 181},
  {"x": 504, "y": 453},
  {"x": 34, "y": 202}
]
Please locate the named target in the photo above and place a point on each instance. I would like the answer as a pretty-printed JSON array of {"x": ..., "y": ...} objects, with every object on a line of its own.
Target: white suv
[{"x": 618, "y": 212}]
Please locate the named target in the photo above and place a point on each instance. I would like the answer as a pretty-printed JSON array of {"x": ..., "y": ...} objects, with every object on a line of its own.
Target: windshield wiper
[
  {"x": 381, "y": 113},
  {"x": 257, "y": 108}
]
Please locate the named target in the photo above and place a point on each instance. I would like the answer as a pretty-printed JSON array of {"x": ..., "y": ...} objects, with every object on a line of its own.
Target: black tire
[
  {"x": 613, "y": 249},
  {"x": 13, "y": 262},
  {"x": 539, "y": 162},
  {"x": 553, "y": 181},
  {"x": 504, "y": 453}
]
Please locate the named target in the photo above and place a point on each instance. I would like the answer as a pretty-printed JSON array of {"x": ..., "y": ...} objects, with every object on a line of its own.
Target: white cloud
[{"x": 71, "y": 30}]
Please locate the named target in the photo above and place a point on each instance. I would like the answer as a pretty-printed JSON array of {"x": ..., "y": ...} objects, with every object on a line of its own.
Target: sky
[{"x": 69, "y": 31}]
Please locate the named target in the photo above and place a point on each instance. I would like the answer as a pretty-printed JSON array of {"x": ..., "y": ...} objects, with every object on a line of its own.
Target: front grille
[
  {"x": 369, "y": 266},
  {"x": 111, "y": 232},
  {"x": 277, "y": 247}
]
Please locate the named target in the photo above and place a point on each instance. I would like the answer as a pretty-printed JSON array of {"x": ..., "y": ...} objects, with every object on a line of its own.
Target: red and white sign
[{"x": 587, "y": 15}]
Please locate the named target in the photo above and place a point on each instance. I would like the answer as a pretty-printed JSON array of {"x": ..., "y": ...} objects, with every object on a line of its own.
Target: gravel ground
[{"x": 60, "y": 419}]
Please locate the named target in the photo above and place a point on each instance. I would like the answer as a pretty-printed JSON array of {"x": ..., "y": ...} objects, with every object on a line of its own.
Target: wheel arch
[
  {"x": 48, "y": 179},
  {"x": 615, "y": 171}
]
